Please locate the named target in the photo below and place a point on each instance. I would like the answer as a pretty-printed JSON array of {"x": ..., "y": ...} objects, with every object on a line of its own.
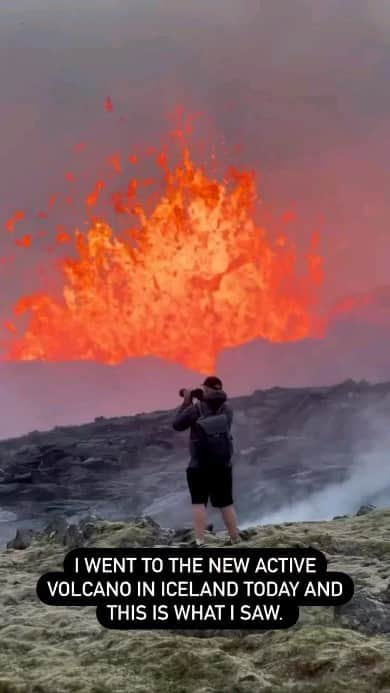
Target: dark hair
[{"x": 213, "y": 382}]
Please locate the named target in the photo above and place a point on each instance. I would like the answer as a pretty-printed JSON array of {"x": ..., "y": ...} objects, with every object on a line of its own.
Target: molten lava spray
[{"x": 193, "y": 275}]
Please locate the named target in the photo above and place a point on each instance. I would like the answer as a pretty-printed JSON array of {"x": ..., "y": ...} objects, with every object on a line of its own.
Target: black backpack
[{"x": 213, "y": 443}]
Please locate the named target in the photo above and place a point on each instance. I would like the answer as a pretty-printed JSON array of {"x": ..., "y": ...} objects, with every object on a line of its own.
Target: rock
[
  {"x": 74, "y": 536},
  {"x": 364, "y": 509},
  {"x": 70, "y": 534},
  {"x": 93, "y": 462},
  {"x": 50, "y": 455},
  {"x": 149, "y": 521},
  {"x": 340, "y": 517},
  {"x": 79, "y": 534},
  {"x": 154, "y": 533},
  {"x": 89, "y": 521},
  {"x": 183, "y": 535},
  {"x": 248, "y": 533},
  {"x": 365, "y": 614},
  {"x": 384, "y": 596},
  {"x": 22, "y": 540},
  {"x": 56, "y": 529},
  {"x": 186, "y": 534}
]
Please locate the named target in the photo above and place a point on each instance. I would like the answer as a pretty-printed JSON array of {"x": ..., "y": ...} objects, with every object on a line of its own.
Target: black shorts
[{"x": 210, "y": 484}]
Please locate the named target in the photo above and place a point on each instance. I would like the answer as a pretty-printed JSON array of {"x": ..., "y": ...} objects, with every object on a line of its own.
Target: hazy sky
[{"x": 301, "y": 84}]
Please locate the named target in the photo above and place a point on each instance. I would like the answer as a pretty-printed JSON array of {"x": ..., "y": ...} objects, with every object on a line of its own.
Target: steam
[{"x": 369, "y": 482}]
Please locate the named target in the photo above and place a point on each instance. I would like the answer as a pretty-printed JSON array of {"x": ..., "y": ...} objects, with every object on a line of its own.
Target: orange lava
[{"x": 191, "y": 276}]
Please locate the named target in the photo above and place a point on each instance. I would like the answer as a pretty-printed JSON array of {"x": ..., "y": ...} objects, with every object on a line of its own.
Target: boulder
[
  {"x": 249, "y": 533},
  {"x": 22, "y": 539},
  {"x": 340, "y": 517},
  {"x": 364, "y": 509},
  {"x": 364, "y": 613},
  {"x": 183, "y": 535},
  {"x": 58, "y": 530}
]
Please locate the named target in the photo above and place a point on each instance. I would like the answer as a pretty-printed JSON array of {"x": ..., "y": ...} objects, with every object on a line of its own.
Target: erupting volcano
[{"x": 195, "y": 272}]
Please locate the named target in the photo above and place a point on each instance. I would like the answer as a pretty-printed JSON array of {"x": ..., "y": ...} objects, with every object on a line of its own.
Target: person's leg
[
  {"x": 199, "y": 498},
  {"x": 230, "y": 520},
  {"x": 199, "y": 514},
  {"x": 222, "y": 498}
]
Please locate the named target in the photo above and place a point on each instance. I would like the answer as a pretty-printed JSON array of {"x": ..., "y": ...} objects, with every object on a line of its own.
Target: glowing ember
[
  {"x": 109, "y": 105},
  {"x": 24, "y": 242},
  {"x": 197, "y": 275},
  {"x": 18, "y": 216}
]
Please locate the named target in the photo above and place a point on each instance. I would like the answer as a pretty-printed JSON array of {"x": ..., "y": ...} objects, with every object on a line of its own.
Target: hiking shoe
[
  {"x": 233, "y": 542},
  {"x": 197, "y": 544}
]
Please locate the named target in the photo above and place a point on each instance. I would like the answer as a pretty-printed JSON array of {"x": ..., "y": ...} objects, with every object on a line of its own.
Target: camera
[{"x": 195, "y": 394}]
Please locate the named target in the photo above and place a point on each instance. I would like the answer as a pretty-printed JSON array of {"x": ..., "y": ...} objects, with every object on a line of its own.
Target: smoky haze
[{"x": 366, "y": 482}]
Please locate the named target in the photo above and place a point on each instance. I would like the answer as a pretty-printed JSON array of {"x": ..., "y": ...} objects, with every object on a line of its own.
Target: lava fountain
[{"x": 191, "y": 275}]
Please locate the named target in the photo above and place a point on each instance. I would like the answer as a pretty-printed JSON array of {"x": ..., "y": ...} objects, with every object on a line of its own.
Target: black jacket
[{"x": 187, "y": 415}]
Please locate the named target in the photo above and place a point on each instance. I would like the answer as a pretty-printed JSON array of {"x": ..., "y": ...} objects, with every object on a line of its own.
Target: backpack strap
[
  {"x": 199, "y": 407},
  {"x": 202, "y": 412}
]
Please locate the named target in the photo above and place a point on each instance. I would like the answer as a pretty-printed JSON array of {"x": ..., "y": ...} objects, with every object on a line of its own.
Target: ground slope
[{"x": 62, "y": 650}]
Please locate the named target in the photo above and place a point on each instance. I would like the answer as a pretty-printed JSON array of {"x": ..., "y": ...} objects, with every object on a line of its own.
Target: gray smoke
[{"x": 368, "y": 482}]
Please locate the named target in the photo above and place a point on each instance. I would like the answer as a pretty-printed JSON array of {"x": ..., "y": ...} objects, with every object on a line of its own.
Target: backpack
[{"x": 213, "y": 443}]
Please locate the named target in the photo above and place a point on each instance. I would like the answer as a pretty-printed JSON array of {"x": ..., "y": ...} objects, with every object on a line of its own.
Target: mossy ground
[{"x": 63, "y": 650}]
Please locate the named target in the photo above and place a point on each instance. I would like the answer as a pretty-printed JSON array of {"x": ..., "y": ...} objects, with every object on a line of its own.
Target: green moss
[{"x": 64, "y": 650}]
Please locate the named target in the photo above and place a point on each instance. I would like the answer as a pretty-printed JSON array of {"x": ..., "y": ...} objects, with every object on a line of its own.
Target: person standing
[{"x": 209, "y": 472}]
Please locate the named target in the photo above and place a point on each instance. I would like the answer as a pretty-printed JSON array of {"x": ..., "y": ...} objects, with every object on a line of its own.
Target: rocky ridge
[
  {"x": 330, "y": 650},
  {"x": 290, "y": 443}
]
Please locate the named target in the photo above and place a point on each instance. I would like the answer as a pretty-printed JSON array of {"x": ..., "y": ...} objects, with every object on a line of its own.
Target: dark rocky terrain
[{"x": 313, "y": 452}]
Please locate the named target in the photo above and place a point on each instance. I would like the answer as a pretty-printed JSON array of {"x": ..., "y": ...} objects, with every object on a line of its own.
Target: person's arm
[
  {"x": 186, "y": 415},
  {"x": 229, "y": 413}
]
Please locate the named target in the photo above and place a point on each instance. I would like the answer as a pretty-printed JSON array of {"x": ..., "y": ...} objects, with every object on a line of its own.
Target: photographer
[{"x": 209, "y": 472}]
